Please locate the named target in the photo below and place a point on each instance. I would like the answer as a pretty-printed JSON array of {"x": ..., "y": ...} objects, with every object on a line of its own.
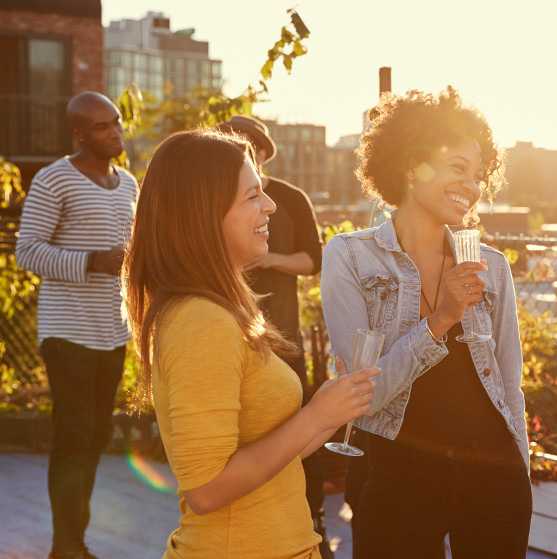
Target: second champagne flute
[{"x": 366, "y": 349}]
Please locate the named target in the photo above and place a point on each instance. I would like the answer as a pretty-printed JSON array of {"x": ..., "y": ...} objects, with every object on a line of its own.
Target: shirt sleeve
[
  {"x": 202, "y": 353},
  {"x": 306, "y": 236},
  {"x": 41, "y": 215}
]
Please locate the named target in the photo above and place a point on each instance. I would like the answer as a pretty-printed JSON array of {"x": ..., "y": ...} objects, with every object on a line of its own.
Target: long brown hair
[{"x": 177, "y": 246}]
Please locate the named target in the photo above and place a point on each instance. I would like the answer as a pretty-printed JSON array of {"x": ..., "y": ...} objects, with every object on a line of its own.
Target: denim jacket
[{"x": 369, "y": 282}]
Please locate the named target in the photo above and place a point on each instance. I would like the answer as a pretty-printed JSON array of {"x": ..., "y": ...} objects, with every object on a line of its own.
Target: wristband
[{"x": 443, "y": 340}]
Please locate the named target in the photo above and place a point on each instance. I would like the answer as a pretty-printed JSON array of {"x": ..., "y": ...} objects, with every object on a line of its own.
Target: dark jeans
[
  {"x": 83, "y": 384},
  {"x": 407, "y": 507}
]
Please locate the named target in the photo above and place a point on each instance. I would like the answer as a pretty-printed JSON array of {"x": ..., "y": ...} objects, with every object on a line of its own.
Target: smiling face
[
  {"x": 246, "y": 224},
  {"x": 447, "y": 186}
]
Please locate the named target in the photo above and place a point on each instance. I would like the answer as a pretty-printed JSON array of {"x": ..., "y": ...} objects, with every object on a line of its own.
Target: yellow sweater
[{"x": 213, "y": 394}]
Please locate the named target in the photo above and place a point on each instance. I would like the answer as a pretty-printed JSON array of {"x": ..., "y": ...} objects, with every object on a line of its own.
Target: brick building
[{"x": 50, "y": 50}]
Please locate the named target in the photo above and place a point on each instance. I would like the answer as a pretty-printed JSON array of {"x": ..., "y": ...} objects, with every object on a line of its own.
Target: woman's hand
[
  {"x": 343, "y": 399},
  {"x": 461, "y": 288}
]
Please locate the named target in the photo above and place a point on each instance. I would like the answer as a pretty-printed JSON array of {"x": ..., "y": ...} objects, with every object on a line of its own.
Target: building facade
[
  {"x": 163, "y": 62},
  {"x": 531, "y": 174},
  {"x": 51, "y": 50},
  {"x": 343, "y": 186},
  {"x": 301, "y": 157}
]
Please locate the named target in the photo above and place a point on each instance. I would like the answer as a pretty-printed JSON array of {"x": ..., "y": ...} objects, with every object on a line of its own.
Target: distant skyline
[{"x": 499, "y": 54}]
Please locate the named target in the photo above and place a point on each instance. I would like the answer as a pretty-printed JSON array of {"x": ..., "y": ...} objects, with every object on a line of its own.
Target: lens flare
[{"x": 148, "y": 474}]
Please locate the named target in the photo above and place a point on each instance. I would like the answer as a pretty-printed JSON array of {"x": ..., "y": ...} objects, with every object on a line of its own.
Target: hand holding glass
[
  {"x": 366, "y": 349},
  {"x": 467, "y": 249}
]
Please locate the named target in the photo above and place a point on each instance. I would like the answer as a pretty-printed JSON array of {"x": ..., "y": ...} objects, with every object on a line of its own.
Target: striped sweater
[{"x": 65, "y": 217}]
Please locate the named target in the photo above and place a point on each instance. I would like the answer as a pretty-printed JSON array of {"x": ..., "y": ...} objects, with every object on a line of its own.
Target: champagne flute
[
  {"x": 467, "y": 249},
  {"x": 366, "y": 349}
]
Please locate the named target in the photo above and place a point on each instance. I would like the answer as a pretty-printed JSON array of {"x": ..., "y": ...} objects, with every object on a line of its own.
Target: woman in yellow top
[{"x": 228, "y": 408}]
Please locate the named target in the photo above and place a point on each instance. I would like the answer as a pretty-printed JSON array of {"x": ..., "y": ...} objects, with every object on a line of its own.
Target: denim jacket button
[{"x": 486, "y": 372}]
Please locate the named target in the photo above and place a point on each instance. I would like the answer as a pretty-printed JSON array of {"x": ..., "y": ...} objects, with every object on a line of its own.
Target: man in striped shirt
[{"x": 75, "y": 223}]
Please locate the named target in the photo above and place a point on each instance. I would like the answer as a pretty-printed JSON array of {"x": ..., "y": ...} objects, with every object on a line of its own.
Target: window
[
  {"x": 156, "y": 64},
  {"x": 318, "y": 134},
  {"x": 204, "y": 68},
  {"x": 34, "y": 90},
  {"x": 192, "y": 70},
  {"x": 114, "y": 58},
  {"x": 156, "y": 86},
  {"x": 140, "y": 62},
  {"x": 46, "y": 66},
  {"x": 216, "y": 70}
]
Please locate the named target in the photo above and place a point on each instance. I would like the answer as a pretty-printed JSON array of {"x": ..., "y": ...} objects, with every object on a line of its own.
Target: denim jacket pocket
[{"x": 381, "y": 296}]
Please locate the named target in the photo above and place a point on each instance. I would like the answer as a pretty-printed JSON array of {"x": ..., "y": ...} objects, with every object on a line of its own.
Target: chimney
[{"x": 384, "y": 81}]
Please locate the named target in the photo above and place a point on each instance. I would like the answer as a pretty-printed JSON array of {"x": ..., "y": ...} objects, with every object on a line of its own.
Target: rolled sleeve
[
  {"x": 427, "y": 351},
  {"x": 345, "y": 311}
]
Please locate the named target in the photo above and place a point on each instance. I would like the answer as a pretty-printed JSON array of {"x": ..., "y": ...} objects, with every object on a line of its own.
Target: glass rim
[{"x": 367, "y": 332}]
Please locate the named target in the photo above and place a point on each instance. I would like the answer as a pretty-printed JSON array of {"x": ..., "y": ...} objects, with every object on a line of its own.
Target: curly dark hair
[{"x": 406, "y": 130}]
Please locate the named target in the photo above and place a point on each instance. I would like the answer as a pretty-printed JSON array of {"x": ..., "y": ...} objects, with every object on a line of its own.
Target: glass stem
[
  {"x": 347, "y": 434},
  {"x": 469, "y": 330}
]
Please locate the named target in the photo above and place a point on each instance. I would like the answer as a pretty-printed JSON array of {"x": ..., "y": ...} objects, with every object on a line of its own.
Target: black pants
[
  {"x": 83, "y": 384},
  {"x": 408, "y": 505}
]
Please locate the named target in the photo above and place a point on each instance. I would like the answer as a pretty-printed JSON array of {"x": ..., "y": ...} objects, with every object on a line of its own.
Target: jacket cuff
[{"x": 427, "y": 351}]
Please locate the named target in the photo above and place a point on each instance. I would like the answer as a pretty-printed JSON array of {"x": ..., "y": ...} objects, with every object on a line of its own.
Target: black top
[
  {"x": 449, "y": 413},
  {"x": 293, "y": 228}
]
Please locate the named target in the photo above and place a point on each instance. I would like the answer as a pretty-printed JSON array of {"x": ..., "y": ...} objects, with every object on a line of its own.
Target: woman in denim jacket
[{"x": 446, "y": 436}]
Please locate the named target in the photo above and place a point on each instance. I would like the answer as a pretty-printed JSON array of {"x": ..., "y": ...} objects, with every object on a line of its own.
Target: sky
[{"x": 500, "y": 55}]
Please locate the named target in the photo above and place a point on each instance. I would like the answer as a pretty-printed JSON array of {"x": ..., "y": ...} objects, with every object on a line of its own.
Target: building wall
[
  {"x": 531, "y": 173},
  {"x": 301, "y": 157},
  {"x": 141, "y": 52},
  {"x": 84, "y": 47},
  {"x": 342, "y": 184},
  {"x": 84, "y": 34}
]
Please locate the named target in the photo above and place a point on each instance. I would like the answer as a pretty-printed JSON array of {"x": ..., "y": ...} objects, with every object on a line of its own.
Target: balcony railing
[{"x": 33, "y": 126}]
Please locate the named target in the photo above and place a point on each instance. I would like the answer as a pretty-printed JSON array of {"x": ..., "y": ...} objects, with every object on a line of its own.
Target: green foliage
[
  {"x": 288, "y": 47},
  {"x": 126, "y": 396},
  {"x": 17, "y": 288},
  {"x": 538, "y": 334},
  {"x": 539, "y": 338},
  {"x": 11, "y": 189}
]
